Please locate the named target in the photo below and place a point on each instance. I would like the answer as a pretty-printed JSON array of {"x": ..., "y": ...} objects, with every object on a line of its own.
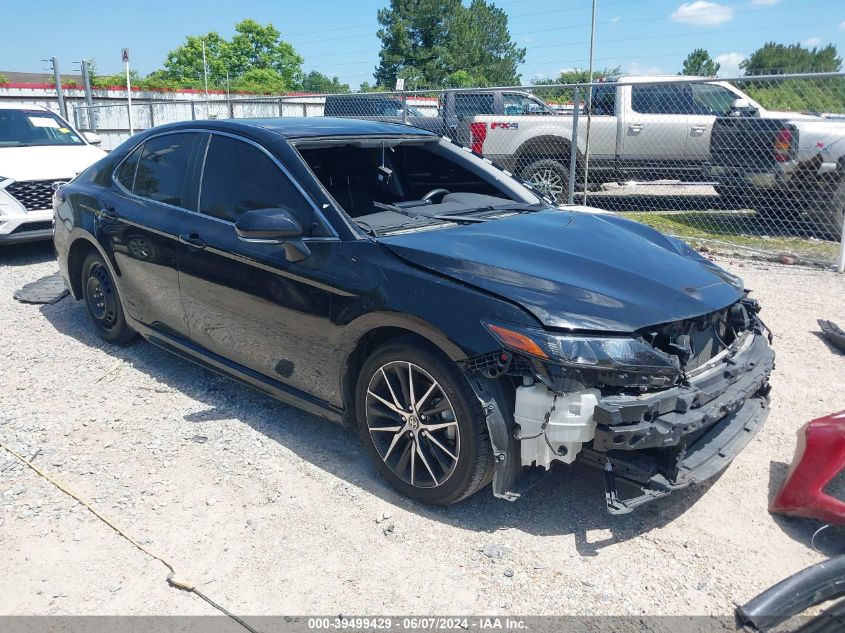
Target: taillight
[
  {"x": 782, "y": 145},
  {"x": 478, "y": 133}
]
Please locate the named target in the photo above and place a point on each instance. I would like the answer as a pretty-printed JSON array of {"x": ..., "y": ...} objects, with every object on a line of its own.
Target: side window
[
  {"x": 467, "y": 104},
  {"x": 126, "y": 173},
  {"x": 239, "y": 177},
  {"x": 162, "y": 173},
  {"x": 662, "y": 99},
  {"x": 712, "y": 99},
  {"x": 604, "y": 100}
]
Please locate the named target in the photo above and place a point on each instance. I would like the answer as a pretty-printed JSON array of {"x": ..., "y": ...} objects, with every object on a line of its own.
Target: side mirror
[
  {"x": 275, "y": 226},
  {"x": 93, "y": 139},
  {"x": 742, "y": 107}
]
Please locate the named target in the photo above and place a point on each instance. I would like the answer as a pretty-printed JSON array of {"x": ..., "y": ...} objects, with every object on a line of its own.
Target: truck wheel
[
  {"x": 734, "y": 197},
  {"x": 549, "y": 176}
]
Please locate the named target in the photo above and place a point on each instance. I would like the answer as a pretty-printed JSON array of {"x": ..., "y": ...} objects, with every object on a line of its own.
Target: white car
[{"x": 37, "y": 148}]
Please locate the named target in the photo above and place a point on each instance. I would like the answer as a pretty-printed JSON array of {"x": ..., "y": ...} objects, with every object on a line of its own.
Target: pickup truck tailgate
[{"x": 750, "y": 142}]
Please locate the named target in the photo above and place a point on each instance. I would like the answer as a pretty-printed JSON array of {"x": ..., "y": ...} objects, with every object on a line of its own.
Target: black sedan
[{"x": 379, "y": 275}]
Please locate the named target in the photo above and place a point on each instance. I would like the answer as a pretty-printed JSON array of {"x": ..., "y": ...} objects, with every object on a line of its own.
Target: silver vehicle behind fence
[{"x": 746, "y": 164}]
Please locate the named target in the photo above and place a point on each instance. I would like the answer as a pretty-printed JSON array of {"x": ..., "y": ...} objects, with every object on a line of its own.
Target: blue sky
[{"x": 338, "y": 37}]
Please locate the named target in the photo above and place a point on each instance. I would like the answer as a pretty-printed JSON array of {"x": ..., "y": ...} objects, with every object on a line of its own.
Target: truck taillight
[
  {"x": 782, "y": 145},
  {"x": 478, "y": 133}
]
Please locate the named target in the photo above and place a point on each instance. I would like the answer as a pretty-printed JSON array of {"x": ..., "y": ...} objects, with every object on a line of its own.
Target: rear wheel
[
  {"x": 550, "y": 177},
  {"x": 102, "y": 301},
  {"x": 421, "y": 423}
]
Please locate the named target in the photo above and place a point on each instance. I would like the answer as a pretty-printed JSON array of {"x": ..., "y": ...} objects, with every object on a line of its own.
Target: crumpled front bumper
[{"x": 669, "y": 440}]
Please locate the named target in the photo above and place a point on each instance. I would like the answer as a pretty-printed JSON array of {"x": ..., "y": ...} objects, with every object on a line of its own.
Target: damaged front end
[{"x": 658, "y": 410}]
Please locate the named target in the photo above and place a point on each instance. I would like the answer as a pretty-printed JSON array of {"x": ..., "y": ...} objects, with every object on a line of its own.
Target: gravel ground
[{"x": 271, "y": 510}]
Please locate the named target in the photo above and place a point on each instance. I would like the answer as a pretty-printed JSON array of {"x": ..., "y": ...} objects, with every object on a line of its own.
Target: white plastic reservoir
[{"x": 570, "y": 424}]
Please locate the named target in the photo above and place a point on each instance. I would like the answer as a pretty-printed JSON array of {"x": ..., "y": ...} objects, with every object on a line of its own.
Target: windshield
[
  {"x": 390, "y": 184},
  {"x": 24, "y": 128}
]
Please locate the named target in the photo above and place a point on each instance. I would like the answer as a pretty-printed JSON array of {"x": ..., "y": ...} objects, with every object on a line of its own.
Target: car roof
[
  {"x": 22, "y": 106},
  {"x": 309, "y": 127}
]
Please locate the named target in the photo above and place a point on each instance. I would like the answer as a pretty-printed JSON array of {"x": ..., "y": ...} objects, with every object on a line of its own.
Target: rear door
[
  {"x": 243, "y": 300},
  {"x": 654, "y": 139},
  {"x": 140, "y": 220}
]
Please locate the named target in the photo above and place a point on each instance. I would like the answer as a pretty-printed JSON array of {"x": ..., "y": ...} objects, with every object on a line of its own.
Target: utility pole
[
  {"x": 205, "y": 75},
  {"x": 89, "y": 97},
  {"x": 589, "y": 105},
  {"x": 57, "y": 76},
  {"x": 125, "y": 58}
]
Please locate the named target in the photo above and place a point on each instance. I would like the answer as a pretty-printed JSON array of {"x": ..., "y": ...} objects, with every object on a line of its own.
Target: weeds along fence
[{"x": 749, "y": 164}]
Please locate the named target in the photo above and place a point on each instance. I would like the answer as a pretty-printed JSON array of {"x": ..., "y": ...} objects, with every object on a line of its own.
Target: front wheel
[
  {"x": 550, "y": 177},
  {"x": 421, "y": 423}
]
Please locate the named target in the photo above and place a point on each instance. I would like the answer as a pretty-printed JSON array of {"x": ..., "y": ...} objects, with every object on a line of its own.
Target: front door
[{"x": 243, "y": 300}]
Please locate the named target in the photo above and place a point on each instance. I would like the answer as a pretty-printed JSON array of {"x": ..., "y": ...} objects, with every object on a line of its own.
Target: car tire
[
  {"x": 102, "y": 301},
  {"x": 549, "y": 176},
  {"x": 436, "y": 450}
]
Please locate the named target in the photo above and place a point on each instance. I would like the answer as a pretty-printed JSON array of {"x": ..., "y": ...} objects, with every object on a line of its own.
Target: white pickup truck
[{"x": 641, "y": 128}]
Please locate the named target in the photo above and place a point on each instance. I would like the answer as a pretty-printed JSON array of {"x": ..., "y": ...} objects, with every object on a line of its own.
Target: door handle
[
  {"x": 109, "y": 213},
  {"x": 635, "y": 127},
  {"x": 698, "y": 129},
  {"x": 192, "y": 239}
]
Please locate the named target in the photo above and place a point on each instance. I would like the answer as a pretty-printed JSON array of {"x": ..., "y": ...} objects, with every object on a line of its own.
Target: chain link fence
[{"x": 752, "y": 164}]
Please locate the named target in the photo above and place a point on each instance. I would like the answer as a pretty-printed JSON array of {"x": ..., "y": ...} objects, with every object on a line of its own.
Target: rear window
[
  {"x": 468, "y": 104},
  {"x": 24, "y": 128},
  {"x": 662, "y": 99},
  {"x": 162, "y": 172}
]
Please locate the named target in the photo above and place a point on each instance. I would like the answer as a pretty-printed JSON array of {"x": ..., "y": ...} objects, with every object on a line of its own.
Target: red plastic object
[
  {"x": 819, "y": 457},
  {"x": 478, "y": 134}
]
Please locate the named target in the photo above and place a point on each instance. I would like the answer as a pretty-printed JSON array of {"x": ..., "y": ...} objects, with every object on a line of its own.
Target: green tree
[
  {"x": 3, "y": 80},
  {"x": 773, "y": 59},
  {"x": 438, "y": 38},
  {"x": 185, "y": 62},
  {"x": 254, "y": 47},
  {"x": 316, "y": 81},
  {"x": 700, "y": 63}
]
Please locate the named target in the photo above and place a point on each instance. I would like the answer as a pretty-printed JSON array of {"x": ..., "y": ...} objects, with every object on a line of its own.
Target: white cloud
[
  {"x": 729, "y": 64},
  {"x": 634, "y": 68},
  {"x": 615, "y": 19},
  {"x": 842, "y": 25},
  {"x": 764, "y": 3},
  {"x": 703, "y": 13},
  {"x": 810, "y": 42}
]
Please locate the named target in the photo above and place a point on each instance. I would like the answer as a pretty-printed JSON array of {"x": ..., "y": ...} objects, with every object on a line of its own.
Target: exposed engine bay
[{"x": 670, "y": 406}]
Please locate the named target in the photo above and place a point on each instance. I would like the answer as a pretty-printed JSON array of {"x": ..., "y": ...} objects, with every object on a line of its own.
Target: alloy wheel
[
  {"x": 548, "y": 181},
  {"x": 412, "y": 424}
]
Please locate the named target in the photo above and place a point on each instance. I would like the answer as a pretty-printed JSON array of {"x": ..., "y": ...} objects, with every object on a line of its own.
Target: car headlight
[{"x": 607, "y": 353}]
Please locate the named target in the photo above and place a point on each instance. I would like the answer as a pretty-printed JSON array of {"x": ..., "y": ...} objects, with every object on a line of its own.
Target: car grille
[
  {"x": 35, "y": 195},
  {"x": 33, "y": 226}
]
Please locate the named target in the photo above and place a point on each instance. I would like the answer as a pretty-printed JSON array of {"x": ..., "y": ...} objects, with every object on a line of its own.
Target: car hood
[
  {"x": 47, "y": 162},
  {"x": 576, "y": 270}
]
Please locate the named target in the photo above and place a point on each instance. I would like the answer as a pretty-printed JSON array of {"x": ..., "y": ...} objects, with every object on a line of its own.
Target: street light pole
[{"x": 589, "y": 104}]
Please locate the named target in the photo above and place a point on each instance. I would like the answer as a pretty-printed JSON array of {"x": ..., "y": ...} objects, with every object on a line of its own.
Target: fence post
[
  {"x": 840, "y": 264},
  {"x": 404, "y": 109},
  {"x": 573, "y": 150},
  {"x": 193, "y": 111},
  {"x": 152, "y": 116},
  {"x": 89, "y": 97},
  {"x": 281, "y": 109}
]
